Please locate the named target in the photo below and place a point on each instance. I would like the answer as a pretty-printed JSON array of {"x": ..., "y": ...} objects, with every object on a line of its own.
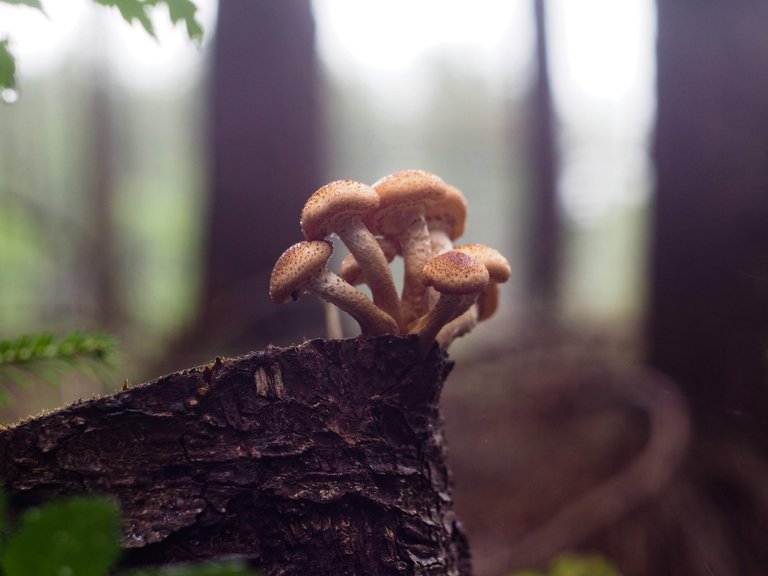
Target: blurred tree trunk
[
  {"x": 708, "y": 312},
  {"x": 265, "y": 154},
  {"x": 99, "y": 264},
  {"x": 544, "y": 223},
  {"x": 709, "y": 291},
  {"x": 97, "y": 269}
]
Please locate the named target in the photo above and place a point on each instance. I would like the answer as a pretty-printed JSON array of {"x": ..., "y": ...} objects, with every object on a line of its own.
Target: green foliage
[
  {"x": 46, "y": 357},
  {"x": 138, "y": 11},
  {"x": 7, "y": 66},
  {"x": 30, "y": 3},
  {"x": 179, "y": 11},
  {"x": 80, "y": 537},
  {"x": 45, "y": 346},
  {"x": 573, "y": 565}
]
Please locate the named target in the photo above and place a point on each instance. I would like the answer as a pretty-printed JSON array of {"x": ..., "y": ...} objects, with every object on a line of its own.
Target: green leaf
[
  {"x": 593, "y": 565},
  {"x": 30, "y": 3},
  {"x": 77, "y": 536},
  {"x": 185, "y": 11},
  {"x": 7, "y": 67},
  {"x": 179, "y": 11},
  {"x": 132, "y": 10}
]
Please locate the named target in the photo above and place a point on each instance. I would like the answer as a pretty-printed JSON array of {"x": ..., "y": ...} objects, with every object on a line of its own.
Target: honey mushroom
[
  {"x": 446, "y": 220},
  {"x": 459, "y": 279},
  {"x": 303, "y": 268},
  {"x": 350, "y": 268},
  {"x": 499, "y": 271},
  {"x": 404, "y": 197},
  {"x": 338, "y": 208}
]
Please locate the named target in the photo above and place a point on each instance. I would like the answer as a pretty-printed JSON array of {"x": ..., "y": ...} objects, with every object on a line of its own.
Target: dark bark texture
[{"x": 324, "y": 458}]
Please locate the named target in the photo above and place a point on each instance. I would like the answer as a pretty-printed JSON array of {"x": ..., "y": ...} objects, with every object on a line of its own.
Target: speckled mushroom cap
[
  {"x": 333, "y": 203},
  {"x": 450, "y": 213},
  {"x": 296, "y": 266},
  {"x": 455, "y": 273},
  {"x": 499, "y": 269},
  {"x": 400, "y": 191}
]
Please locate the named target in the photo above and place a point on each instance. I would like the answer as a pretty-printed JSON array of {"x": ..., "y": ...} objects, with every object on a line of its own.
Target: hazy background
[
  {"x": 147, "y": 186},
  {"x": 401, "y": 85}
]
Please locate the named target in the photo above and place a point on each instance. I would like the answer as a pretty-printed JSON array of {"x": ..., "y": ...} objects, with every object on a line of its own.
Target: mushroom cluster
[{"x": 413, "y": 214}]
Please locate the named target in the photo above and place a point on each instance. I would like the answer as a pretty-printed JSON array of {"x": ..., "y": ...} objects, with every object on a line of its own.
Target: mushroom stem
[
  {"x": 333, "y": 328},
  {"x": 369, "y": 255},
  {"x": 448, "y": 307},
  {"x": 440, "y": 241},
  {"x": 416, "y": 249},
  {"x": 458, "y": 327},
  {"x": 332, "y": 288}
]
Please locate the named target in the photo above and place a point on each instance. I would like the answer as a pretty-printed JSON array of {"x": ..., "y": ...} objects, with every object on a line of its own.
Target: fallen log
[{"x": 322, "y": 458}]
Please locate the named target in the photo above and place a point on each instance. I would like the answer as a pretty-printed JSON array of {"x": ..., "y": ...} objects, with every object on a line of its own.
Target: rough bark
[{"x": 324, "y": 458}]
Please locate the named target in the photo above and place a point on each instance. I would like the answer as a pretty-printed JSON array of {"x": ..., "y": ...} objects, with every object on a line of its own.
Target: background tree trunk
[
  {"x": 265, "y": 146},
  {"x": 544, "y": 232},
  {"x": 708, "y": 314},
  {"x": 709, "y": 290},
  {"x": 326, "y": 458}
]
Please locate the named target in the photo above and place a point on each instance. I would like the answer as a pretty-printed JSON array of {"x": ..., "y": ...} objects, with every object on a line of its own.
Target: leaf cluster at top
[
  {"x": 179, "y": 11},
  {"x": 184, "y": 11}
]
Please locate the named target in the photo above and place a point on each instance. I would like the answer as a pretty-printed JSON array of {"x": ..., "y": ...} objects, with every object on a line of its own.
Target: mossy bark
[{"x": 324, "y": 458}]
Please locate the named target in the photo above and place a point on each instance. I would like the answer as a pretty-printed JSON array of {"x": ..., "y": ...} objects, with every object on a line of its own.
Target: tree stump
[{"x": 323, "y": 458}]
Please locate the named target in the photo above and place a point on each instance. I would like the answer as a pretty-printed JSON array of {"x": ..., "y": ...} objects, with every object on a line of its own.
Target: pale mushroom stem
[
  {"x": 458, "y": 327},
  {"x": 440, "y": 241},
  {"x": 448, "y": 307},
  {"x": 417, "y": 251},
  {"x": 333, "y": 328},
  {"x": 362, "y": 244},
  {"x": 332, "y": 288}
]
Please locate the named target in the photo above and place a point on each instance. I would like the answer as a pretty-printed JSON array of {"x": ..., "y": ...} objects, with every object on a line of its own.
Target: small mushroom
[
  {"x": 498, "y": 266},
  {"x": 338, "y": 208},
  {"x": 459, "y": 279},
  {"x": 485, "y": 307},
  {"x": 446, "y": 220},
  {"x": 303, "y": 268},
  {"x": 499, "y": 271},
  {"x": 405, "y": 196}
]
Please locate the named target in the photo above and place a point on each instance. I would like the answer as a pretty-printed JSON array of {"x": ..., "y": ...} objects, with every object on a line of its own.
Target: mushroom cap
[
  {"x": 455, "y": 273},
  {"x": 449, "y": 214},
  {"x": 296, "y": 266},
  {"x": 334, "y": 203},
  {"x": 400, "y": 191},
  {"x": 350, "y": 269},
  {"x": 499, "y": 269}
]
